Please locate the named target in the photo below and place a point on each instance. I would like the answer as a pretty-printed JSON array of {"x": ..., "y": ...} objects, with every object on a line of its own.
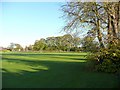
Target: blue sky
[{"x": 24, "y": 23}]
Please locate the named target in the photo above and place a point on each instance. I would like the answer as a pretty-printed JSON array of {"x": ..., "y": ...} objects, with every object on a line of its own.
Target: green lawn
[{"x": 51, "y": 70}]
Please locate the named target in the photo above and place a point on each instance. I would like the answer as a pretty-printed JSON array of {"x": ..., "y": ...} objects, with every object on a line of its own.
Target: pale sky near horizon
[{"x": 25, "y": 22}]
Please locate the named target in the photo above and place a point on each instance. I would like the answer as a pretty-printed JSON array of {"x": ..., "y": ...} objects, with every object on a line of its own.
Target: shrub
[
  {"x": 106, "y": 60},
  {"x": 5, "y": 50}
]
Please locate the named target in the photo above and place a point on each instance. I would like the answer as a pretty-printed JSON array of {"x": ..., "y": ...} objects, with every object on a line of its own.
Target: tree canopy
[{"x": 103, "y": 19}]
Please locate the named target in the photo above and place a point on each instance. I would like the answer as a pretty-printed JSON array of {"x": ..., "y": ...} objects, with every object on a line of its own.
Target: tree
[
  {"x": 89, "y": 44},
  {"x": 26, "y": 48},
  {"x": 51, "y": 43},
  {"x": 113, "y": 11},
  {"x": 30, "y": 47},
  {"x": 97, "y": 15},
  {"x": 76, "y": 42},
  {"x": 39, "y": 45},
  {"x": 80, "y": 14},
  {"x": 18, "y": 47},
  {"x": 11, "y": 46},
  {"x": 59, "y": 43},
  {"x": 103, "y": 19},
  {"x": 15, "y": 47},
  {"x": 67, "y": 42}
]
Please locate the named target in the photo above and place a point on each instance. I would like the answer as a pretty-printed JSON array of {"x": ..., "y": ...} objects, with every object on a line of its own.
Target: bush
[
  {"x": 107, "y": 60},
  {"x": 5, "y": 50}
]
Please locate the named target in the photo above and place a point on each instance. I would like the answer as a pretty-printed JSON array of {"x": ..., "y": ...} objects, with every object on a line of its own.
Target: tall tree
[
  {"x": 113, "y": 11},
  {"x": 15, "y": 47},
  {"x": 39, "y": 45},
  {"x": 81, "y": 14},
  {"x": 97, "y": 15}
]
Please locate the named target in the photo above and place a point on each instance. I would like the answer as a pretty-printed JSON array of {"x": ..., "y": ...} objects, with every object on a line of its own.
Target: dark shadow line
[{"x": 21, "y": 54}]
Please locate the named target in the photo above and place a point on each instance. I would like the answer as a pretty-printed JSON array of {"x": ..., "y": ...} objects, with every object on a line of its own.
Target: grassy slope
[{"x": 51, "y": 70}]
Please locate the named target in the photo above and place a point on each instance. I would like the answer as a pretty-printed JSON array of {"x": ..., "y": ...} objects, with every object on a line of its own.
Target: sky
[{"x": 25, "y": 22}]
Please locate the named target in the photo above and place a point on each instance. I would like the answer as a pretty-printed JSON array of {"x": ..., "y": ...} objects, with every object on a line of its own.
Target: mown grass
[{"x": 51, "y": 70}]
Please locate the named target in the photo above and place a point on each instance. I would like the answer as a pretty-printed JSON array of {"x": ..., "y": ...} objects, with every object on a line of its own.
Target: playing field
[{"x": 51, "y": 70}]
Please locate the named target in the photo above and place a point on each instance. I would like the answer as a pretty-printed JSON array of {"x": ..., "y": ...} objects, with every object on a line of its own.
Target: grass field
[{"x": 51, "y": 70}]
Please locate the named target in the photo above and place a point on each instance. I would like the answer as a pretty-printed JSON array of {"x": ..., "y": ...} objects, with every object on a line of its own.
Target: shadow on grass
[
  {"x": 44, "y": 62},
  {"x": 59, "y": 75},
  {"x": 42, "y": 54}
]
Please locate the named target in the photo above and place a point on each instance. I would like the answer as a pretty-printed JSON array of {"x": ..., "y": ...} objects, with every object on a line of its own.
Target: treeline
[
  {"x": 65, "y": 43},
  {"x": 60, "y": 43}
]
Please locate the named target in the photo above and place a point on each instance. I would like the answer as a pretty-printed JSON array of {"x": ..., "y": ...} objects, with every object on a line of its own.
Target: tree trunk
[
  {"x": 119, "y": 20},
  {"x": 115, "y": 23},
  {"x": 109, "y": 33},
  {"x": 99, "y": 34}
]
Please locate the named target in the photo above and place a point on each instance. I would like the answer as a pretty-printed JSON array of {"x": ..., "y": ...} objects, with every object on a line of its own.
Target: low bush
[
  {"x": 106, "y": 60},
  {"x": 5, "y": 50}
]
